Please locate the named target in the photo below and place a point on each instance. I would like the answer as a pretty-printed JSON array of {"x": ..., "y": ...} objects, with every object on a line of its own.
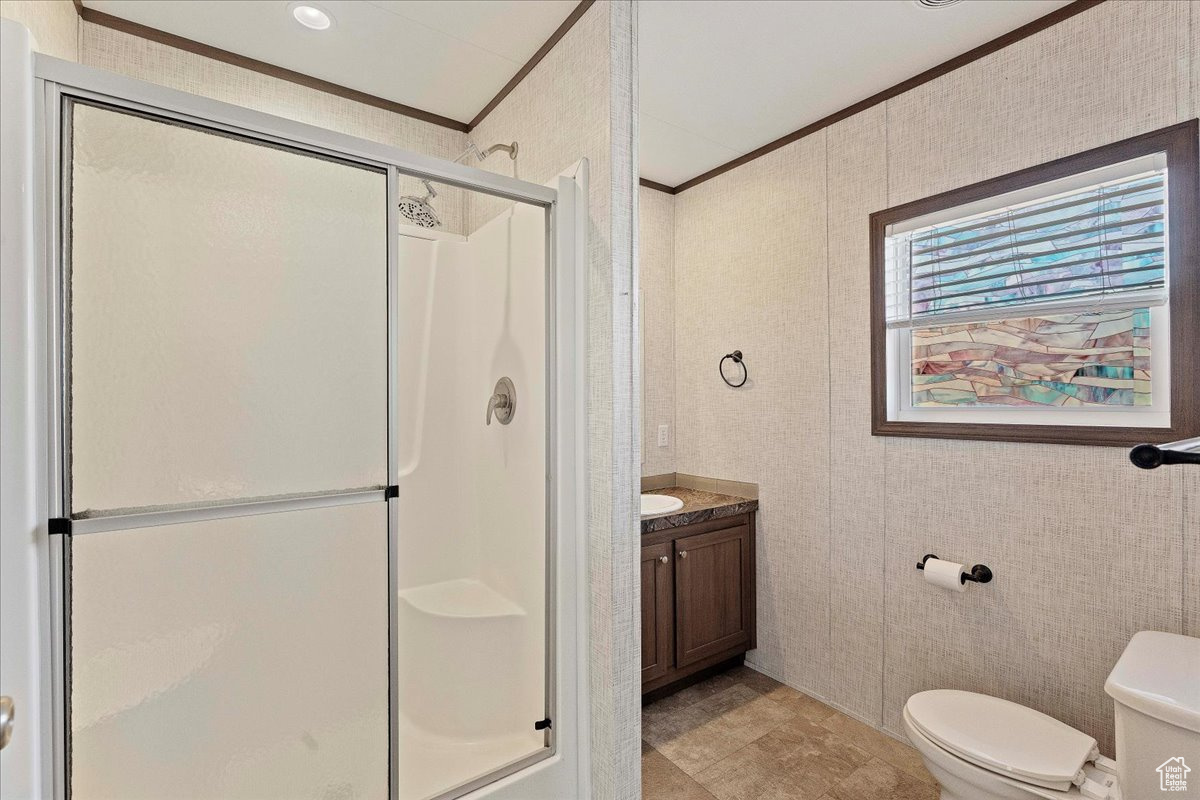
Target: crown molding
[
  {"x": 262, "y": 67},
  {"x": 558, "y": 34},
  {"x": 661, "y": 187},
  {"x": 999, "y": 43}
]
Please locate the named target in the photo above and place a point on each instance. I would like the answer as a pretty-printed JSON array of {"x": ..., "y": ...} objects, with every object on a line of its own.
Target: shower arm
[
  {"x": 418, "y": 209},
  {"x": 511, "y": 149}
]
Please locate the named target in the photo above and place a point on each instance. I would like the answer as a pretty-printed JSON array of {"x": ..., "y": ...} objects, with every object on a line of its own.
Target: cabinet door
[
  {"x": 714, "y": 610},
  {"x": 658, "y": 614}
]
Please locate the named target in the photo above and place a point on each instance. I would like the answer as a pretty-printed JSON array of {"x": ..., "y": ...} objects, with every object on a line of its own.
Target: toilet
[{"x": 980, "y": 747}]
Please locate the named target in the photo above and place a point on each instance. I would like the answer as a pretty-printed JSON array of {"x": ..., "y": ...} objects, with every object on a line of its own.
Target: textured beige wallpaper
[
  {"x": 1103, "y": 75},
  {"x": 580, "y": 102},
  {"x": 150, "y": 61},
  {"x": 1084, "y": 545},
  {"x": 857, "y": 186},
  {"x": 53, "y": 23},
  {"x": 656, "y": 271},
  {"x": 750, "y": 275},
  {"x": 772, "y": 258},
  {"x": 557, "y": 114}
]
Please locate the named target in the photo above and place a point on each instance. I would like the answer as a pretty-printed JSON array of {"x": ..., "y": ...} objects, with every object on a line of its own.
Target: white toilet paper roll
[{"x": 945, "y": 574}]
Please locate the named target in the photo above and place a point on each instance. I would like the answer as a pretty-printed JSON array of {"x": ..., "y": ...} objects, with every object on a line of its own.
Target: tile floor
[{"x": 743, "y": 736}]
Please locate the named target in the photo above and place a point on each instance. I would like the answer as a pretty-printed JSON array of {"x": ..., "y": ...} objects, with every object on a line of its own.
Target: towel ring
[{"x": 736, "y": 357}]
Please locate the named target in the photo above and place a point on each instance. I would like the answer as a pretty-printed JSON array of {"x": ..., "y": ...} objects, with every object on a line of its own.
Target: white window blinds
[{"x": 1081, "y": 243}]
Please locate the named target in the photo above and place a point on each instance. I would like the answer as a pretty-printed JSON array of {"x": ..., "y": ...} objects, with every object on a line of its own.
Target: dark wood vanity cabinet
[
  {"x": 658, "y": 617},
  {"x": 697, "y": 598}
]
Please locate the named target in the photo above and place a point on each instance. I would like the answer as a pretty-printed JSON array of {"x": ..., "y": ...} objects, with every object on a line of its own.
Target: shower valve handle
[
  {"x": 503, "y": 402},
  {"x": 497, "y": 403}
]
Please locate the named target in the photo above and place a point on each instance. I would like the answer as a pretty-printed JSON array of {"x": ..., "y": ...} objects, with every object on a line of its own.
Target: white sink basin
[{"x": 656, "y": 505}]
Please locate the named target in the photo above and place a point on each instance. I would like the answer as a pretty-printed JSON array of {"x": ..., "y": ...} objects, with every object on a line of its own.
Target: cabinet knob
[
  {"x": 683, "y": 553},
  {"x": 663, "y": 559}
]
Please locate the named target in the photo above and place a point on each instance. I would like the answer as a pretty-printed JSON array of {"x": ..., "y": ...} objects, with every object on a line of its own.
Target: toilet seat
[{"x": 1003, "y": 737}]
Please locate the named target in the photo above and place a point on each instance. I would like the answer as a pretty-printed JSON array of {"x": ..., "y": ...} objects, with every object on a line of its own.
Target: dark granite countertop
[{"x": 698, "y": 506}]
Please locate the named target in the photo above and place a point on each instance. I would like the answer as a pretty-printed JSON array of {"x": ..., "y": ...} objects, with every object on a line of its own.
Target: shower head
[{"x": 418, "y": 210}]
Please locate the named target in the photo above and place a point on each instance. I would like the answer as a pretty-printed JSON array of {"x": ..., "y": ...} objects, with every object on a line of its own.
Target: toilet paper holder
[{"x": 978, "y": 573}]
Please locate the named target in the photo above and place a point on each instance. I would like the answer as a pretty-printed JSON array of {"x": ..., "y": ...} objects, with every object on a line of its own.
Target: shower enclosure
[
  {"x": 294, "y": 549},
  {"x": 472, "y": 486}
]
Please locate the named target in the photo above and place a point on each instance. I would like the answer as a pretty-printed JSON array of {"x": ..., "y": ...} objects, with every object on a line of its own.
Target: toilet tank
[{"x": 1155, "y": 688}]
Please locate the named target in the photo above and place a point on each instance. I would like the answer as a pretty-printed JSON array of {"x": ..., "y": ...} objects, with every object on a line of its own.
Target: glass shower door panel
[
  {"x": 227, "y": 317},
  {"x": 241, "y": 659},
  {"x": 472, "y": 550}
]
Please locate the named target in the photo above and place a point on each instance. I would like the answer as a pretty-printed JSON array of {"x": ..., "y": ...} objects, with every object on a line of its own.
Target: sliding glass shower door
[
  {"x": 227, "y": 421},
  {"x": 309, "y": 536}
]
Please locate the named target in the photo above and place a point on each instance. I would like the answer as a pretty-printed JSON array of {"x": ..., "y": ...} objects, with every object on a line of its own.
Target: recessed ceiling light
[
  {"x": 934, "y": 3},
  {"x": 312, "y": 17}
]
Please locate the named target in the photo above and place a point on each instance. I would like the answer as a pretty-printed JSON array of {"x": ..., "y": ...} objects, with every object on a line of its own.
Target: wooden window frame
[{"x": 1181, "y": 143}]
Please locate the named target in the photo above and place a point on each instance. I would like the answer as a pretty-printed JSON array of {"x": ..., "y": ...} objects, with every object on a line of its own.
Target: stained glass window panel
[{"x": 1089, "y": 359}]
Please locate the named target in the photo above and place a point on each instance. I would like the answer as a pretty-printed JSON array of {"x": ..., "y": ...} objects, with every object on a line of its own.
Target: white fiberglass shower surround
[{"x": 291, "y": 553}]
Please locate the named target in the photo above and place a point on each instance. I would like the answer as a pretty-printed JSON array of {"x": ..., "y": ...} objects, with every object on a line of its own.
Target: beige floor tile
[
  {"x": 662, "y": 725},
  {"x": 708, "y": 731},
  {"x": 878, "y": 780},
  {"x": 801, "y": 704},
  {"x": 877, "y": 743},
  {"x": 662, "y": 780},
  {"x": 811, "y": 736},
  {"x": 753, "y": 773},
  {"x": 671, "y": 704},
  {"x": 754, "y": 679},
  {"x": 798, "y": 759},
  {"x": 797, "y": 702},
  {"x": 692, "y": 694},
  {"x": 742, "y": 735}
]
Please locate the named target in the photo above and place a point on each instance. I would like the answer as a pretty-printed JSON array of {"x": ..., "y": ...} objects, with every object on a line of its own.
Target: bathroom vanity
[{"x": 698, "y": 587}]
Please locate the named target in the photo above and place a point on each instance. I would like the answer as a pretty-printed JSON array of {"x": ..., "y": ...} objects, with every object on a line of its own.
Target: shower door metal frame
[{"x": 58, "y": 84}]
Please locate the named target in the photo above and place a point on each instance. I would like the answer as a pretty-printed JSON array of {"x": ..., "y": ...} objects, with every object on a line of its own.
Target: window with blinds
[
  {"x": 1059, "y": 303},
  {"x": 1093, "y": 242}
]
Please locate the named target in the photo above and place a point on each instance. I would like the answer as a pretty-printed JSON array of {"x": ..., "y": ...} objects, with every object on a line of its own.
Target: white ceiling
[
  {"x": 719, "y": 78},
  {"x": 449, "y": 57}
]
